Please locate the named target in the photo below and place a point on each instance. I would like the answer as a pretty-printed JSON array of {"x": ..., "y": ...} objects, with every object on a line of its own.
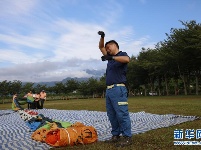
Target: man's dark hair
[{"x": 112, "y": 41}]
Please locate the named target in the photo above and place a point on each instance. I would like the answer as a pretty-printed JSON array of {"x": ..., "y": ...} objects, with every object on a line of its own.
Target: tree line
[
  {"x": 91, "y": 87},
  {"x": 173, "y": 67}
]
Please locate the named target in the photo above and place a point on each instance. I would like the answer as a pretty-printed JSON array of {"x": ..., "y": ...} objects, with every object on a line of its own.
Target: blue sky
[{"x": 49, "y": 40}]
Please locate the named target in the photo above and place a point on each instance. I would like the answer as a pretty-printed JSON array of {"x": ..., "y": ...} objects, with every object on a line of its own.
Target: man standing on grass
[
  {"x": 42, "y": 98},
  {"x": 116, "y": 92}
]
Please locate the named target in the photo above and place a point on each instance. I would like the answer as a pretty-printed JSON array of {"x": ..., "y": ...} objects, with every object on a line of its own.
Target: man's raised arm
[{"x": 101, "y": 43}]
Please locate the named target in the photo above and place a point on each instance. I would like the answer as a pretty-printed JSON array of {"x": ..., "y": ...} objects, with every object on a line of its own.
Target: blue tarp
[{"x": 15, "y": 134}]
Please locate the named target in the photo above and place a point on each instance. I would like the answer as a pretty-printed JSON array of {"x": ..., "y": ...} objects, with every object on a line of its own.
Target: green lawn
[{"x": 154, "y": 139}]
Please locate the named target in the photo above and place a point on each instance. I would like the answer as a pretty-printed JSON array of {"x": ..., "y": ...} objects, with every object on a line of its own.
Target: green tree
[
  {"x": 5, "y": 89},
  {"x": 59, "y": 88},
  {"x": 38, "y": 88},
  {"x": 93, "y": 86},
  {"x": 185, "y": 46},
  {"x": 15, "y": 87},
  {"x": 84, "y": 88},
  {"x": 27, "y": 87},
  {"x": 102, "y": 86},
  {"x": 71, "y": 85},
  {"x": 148, "y": 60}
]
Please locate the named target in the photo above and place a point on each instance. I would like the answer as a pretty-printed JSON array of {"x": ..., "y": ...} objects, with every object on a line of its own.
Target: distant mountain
[
  {"x": 94, "y": 73},
  {"x": 77, "y": 79},
  {"x": 52, "y": 83},
  {"x": 49, "y": 84}
]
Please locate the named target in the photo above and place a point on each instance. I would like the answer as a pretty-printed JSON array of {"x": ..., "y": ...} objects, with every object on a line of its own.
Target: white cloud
[
  {"x": 74, "y": 50},
  {"x": 14, "y": 56},
  {"x": 15, "y": 8},
  {"x": 77, "y": 40},
  {"x": 32, "y": 41},
  {"x": 111, "y": 11},
  {"x": 50, "y": 71},
  {"x": 56, "y": 48}
]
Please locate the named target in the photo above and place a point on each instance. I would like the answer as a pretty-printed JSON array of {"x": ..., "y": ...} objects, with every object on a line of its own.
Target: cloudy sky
[{"x": 49, "y": 40}]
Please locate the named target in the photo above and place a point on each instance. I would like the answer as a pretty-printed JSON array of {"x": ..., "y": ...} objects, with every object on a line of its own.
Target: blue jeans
[
  {"x": 17, "y": 104},
  {"x": 117, "y": 110}
]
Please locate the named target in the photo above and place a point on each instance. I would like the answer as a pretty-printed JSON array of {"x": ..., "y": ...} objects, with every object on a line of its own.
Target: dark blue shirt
[{"x": 116, "y": 71}]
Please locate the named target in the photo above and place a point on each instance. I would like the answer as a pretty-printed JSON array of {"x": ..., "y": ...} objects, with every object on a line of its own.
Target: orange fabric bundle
[
  {"x": 78, "y": 124},
  {"x": 40, "y": 134},
  {"x": 78, "y": 133},
  {"x": 62, "y": 137},
  {"x": 54, "y": 137},
  {"x": 89, "y": 134}
]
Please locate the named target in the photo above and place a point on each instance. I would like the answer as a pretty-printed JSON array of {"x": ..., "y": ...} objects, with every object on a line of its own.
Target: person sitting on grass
[{"x": 15, "y": 103}]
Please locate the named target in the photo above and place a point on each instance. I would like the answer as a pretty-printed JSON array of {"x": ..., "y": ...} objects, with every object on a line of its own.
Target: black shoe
[
  {"x": 114, "y": 139},
  {"x": 125, "y": 141}
]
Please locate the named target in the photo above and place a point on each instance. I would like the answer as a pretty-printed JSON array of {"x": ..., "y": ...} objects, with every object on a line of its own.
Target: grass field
[{"x": 159, "y": 139}]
